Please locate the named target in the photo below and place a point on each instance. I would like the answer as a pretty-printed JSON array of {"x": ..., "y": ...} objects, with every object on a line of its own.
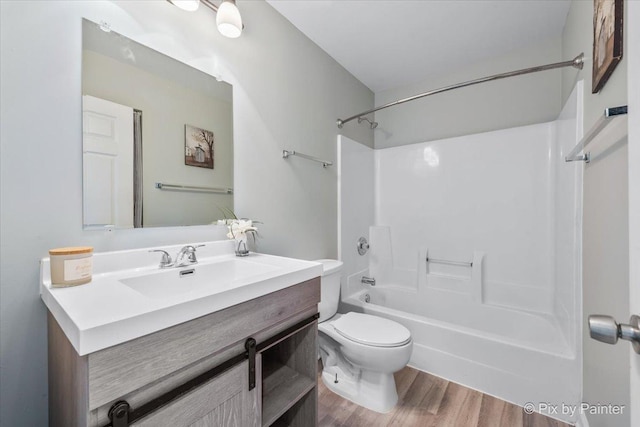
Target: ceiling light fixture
[
  {"x": 188, "y": 5},
  {"x": 228, "y": 17},
  {"x": 229, "y": 20}
]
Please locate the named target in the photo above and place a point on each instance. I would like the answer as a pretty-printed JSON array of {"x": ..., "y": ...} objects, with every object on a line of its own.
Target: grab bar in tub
[{"x": 445, "y": 261}]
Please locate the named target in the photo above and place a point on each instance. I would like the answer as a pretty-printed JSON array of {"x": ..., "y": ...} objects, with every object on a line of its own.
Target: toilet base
[{"x": 372, "y": 390}]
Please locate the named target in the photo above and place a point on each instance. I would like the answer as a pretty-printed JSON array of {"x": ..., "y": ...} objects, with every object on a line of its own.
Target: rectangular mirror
[{"x": 157, "y": 137}]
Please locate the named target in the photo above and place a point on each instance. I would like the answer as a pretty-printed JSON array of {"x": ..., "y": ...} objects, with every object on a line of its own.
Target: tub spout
[{"x": 368, "y": 280}]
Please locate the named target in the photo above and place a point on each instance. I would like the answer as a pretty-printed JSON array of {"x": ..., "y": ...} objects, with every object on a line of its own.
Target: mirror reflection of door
[{"x": 107, "y": 158}]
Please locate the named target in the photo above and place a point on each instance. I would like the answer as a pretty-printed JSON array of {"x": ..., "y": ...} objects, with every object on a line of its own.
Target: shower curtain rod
[{"x": 576, "y": 62}]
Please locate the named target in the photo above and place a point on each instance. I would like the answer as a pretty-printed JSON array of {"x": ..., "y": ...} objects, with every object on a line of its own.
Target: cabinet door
[{"x": 224, "y": 401}]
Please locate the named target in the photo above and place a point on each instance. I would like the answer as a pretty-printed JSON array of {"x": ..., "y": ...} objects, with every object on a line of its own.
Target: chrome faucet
[
  {"x": 368, "y": 280},
  {"x": 166, "y": 260},
  {"x": 187, "y": 256}
]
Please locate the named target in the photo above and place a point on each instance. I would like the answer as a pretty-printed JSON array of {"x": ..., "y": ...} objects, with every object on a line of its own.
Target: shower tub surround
[{"x": 504, "y": 206}]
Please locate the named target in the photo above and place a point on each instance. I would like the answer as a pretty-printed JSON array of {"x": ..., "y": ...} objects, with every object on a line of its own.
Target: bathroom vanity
[{"x": 231, "y": 344}]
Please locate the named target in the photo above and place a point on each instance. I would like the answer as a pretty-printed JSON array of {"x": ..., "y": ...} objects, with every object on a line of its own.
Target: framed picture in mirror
[{"x": 198, "y": 147}]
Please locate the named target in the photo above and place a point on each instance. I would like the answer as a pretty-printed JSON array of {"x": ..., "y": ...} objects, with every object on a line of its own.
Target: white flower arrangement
[{"x": 239, "y": 228}]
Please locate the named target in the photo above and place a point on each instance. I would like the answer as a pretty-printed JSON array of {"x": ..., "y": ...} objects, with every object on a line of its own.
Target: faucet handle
[
  {"x": 188, "y": 251},
  {"x": 166, "y": 260},
  {"x": 192, "y": 253}
]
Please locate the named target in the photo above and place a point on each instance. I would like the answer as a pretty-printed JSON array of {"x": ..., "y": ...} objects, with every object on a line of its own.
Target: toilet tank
[{"x": 329, "y": 288}]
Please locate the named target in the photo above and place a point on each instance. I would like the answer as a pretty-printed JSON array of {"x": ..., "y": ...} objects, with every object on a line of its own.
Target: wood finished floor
[{"x": 428, "y": 401}]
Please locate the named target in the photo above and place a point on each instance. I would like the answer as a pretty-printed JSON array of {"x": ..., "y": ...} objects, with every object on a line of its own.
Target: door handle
[{"x": 606, "y": 329}]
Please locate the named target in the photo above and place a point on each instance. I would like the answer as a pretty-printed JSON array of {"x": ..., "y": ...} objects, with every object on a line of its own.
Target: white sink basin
[
  {"x": 210, "y": 278},
  {"x": 130, "y": 296}
]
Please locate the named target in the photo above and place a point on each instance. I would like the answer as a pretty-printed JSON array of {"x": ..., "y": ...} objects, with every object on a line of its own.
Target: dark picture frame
[
  {"x": 198, "y": 147},
  {"x": 607, "y": 40}
]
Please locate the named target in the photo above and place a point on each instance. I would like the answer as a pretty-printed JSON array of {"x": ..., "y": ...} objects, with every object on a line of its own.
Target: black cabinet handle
[{"x": 250, "y": 345}]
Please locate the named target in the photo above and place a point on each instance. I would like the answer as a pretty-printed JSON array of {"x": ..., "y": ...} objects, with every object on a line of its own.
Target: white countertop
[{"x": 106, "y": 312}]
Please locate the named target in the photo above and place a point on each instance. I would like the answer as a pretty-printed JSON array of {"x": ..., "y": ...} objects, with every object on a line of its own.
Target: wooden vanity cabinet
[{"x": 82, "y": 389}]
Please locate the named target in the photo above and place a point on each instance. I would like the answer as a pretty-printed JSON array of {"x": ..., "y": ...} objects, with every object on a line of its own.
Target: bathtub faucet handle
[
  {"x": 368, "y": 280},
  {"x": 362, "y": 246}
]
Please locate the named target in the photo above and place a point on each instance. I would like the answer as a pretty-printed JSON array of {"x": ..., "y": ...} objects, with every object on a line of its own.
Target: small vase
[{"x": 241, "y": 245}]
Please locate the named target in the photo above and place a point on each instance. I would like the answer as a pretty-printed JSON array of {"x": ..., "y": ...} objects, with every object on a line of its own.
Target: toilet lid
[{"x": 372, "y": 330}]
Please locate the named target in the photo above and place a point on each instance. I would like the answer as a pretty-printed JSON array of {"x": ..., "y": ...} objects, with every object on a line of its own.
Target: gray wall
[
  {"x": 287, "y": 94},
  {"x": 605, "y": 226},
  {"x": 517, "y": 101}
]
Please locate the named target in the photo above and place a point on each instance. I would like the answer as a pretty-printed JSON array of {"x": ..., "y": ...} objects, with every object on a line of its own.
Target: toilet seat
[{"x": 372, "y": 330}]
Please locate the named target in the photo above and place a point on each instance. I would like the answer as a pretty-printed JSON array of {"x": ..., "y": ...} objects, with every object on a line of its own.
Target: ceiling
[{"x": 391, "y": 43}]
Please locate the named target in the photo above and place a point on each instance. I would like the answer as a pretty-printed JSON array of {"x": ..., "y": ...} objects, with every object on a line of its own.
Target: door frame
[{"x": 633, "y": 87}]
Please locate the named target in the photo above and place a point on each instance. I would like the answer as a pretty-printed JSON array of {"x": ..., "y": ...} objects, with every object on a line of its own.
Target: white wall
[
  {"x": 490, "y": 192},
  {"x": 163, "y": 136},
  {"x": 517, "y": 101},
  {"x": 287, "y": 94},
  {"x": 605, "y": 224}
]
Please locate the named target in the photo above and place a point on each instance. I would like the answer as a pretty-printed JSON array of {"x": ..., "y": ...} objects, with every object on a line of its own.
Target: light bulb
[
  {"x": 188, "y": 5},
  {"x": 229, "y": 20}
]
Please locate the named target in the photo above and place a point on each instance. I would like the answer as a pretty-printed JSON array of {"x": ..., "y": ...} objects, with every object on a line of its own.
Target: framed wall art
[{"x": 607, "y": 40}]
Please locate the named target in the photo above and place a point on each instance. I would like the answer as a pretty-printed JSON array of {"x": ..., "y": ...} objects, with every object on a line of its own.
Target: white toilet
[{"x": 360, "y": 352}]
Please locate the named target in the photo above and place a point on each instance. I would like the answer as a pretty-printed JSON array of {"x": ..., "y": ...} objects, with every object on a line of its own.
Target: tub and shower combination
[{"x": 475, "y": 245}]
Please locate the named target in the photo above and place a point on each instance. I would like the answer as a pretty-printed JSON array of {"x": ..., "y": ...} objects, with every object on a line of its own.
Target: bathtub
[{"x": 514, "y": 355}]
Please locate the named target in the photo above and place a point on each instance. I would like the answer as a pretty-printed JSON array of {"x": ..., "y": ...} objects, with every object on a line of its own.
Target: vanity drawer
[{"x": 122, "y": 369}]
